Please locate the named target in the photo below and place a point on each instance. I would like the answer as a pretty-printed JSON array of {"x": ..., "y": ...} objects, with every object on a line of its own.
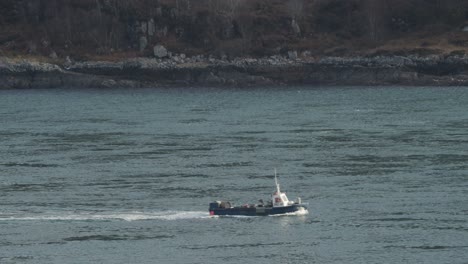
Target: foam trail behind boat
[{"x": 106, "y": 216}]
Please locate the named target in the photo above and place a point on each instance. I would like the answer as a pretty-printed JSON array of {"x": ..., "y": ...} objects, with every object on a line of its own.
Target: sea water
[{"x": 126, "y": 176}]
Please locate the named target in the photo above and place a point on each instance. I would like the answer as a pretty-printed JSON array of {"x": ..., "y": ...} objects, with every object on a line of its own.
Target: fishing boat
[{"x": 278, "y": 205}]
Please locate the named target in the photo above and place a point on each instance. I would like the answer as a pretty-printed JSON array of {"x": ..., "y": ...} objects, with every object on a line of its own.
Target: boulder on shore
[{"x": 160, "y": 51}]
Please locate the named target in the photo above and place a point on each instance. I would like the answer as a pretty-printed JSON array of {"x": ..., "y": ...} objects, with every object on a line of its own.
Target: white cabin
[{"x": 279, "y": 198}]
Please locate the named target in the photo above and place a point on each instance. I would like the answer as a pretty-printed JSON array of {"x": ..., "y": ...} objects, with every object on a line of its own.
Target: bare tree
[
  {"x": 229, "y": 12},
  {"x": 214, "y": 5},
  {"x": 184, "y": 5},
  {"x": 227, "y": 8},
  {"x": 375, "y": 11},
  {"x": 296, "y": 8},
  {"x": 296, "y": 11}
]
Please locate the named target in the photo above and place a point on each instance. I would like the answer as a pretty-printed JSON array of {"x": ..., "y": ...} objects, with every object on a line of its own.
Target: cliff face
[
  {"x": 275, "y": 70},
  {"x": 85, "y": 29}
]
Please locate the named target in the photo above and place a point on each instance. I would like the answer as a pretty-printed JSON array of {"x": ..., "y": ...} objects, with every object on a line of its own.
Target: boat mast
[{"x": 277, "y": 184}]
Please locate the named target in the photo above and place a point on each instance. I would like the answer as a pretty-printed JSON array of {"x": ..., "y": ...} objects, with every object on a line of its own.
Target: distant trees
[
  {"x": 10, "y": 11},
  {"x": 99, "y": 26}
]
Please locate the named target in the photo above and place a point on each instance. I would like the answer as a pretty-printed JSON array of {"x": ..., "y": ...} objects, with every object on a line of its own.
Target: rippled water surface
[{"x": 125, "y": 176}]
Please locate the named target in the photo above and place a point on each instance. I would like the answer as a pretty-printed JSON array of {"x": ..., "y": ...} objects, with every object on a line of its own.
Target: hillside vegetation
[{"x": 112, "y": 29}]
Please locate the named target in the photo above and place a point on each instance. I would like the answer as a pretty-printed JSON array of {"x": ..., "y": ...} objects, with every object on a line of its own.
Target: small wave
[
  {"x": 32, "y": 165},
  {"x": 126, "y": 216}
]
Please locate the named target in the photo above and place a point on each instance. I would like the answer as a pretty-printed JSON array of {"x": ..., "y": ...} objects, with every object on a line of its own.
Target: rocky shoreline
[{"x": 179, "y": 70}]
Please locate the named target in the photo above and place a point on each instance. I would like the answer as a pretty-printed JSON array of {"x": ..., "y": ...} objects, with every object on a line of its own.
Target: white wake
[
  {"x": 124, "y": 216},
  {"x": 297, "y": 213},
  {"x": 106, "y": 216}
]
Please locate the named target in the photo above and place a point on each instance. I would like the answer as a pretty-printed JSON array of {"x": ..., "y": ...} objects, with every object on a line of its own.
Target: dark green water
[{"x": 125, "y": 176}]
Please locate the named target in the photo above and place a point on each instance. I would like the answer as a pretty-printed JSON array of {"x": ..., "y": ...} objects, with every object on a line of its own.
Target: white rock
[
  {"x": 53, "y": 55},
  {"x": 295, "y": 27},
  {"x": 143, "y": 43},
  {"x": 160, "y": 51},
  {"x": 151, "y": 27},
  {"x": 292, "y": 55},
  {"x": 144, "y": 27}
]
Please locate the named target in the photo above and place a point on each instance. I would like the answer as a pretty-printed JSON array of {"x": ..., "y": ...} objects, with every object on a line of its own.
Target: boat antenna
[{"x": 277, "y": 184}]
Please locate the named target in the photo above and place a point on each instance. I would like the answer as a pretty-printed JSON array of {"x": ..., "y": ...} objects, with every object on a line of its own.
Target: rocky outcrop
[{"x": 180, "y": 70}]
